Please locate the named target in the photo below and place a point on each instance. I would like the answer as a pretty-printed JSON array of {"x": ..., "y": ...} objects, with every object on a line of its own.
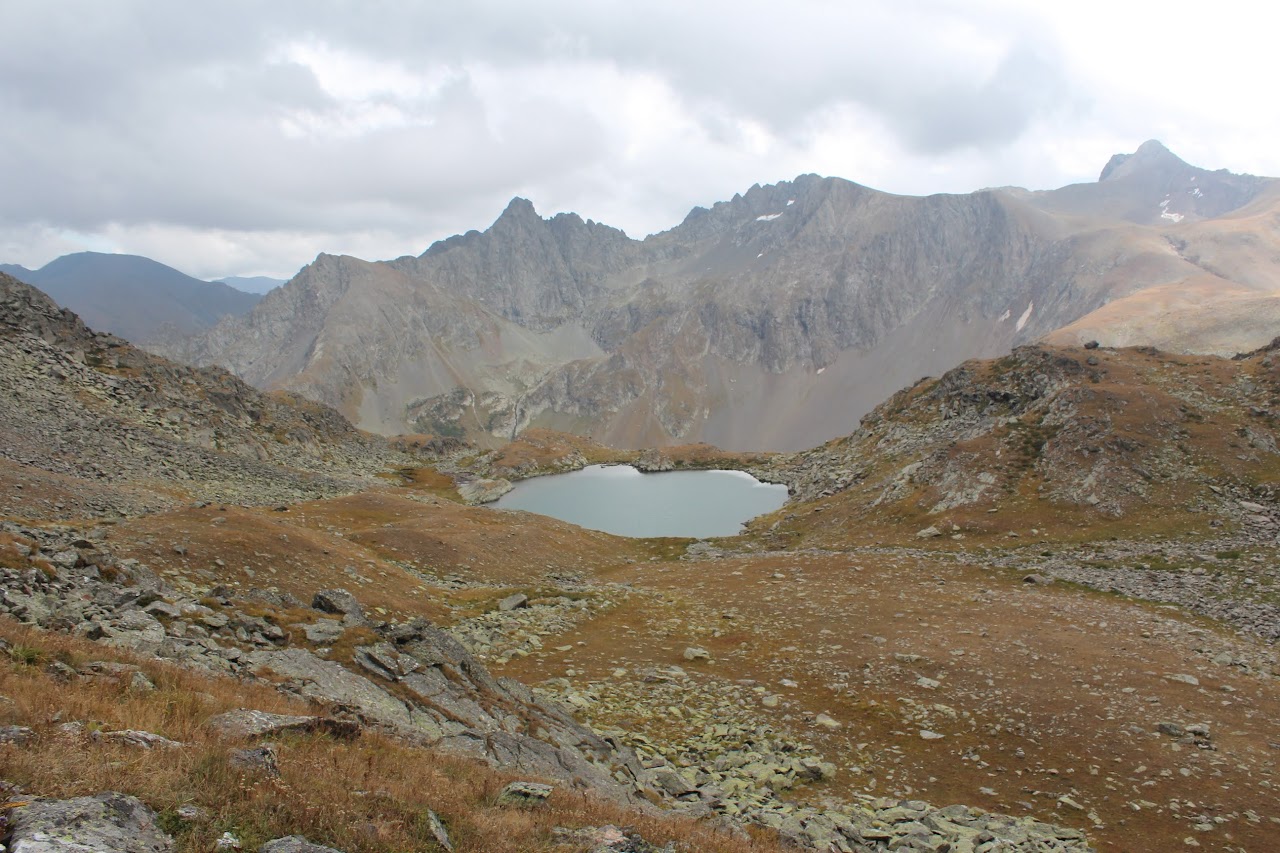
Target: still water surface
[{"x": 621, "y": 500}]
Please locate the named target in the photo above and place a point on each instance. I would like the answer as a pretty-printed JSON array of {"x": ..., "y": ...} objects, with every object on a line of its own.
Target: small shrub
[
  {"x": 169, "y": 823},
  {"x": 25, "y": 655}
]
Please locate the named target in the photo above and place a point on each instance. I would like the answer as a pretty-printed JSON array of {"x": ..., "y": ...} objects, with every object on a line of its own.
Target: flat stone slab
[
  {"x": 139, "y": 739},
  {"x": 295, "y": 844},
  {"x": 250, "y": 723}
]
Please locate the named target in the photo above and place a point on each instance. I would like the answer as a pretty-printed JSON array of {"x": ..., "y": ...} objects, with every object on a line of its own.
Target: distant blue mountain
[{"x": 136, "y": 298}]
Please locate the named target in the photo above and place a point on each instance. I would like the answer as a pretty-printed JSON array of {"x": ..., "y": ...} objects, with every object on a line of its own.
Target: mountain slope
[
  {"x": 135, "y": 297},
  {"x": 1069, "y": 441},
  {"x": 114, "y": 429},
  {"x": 771, "y": 321}
]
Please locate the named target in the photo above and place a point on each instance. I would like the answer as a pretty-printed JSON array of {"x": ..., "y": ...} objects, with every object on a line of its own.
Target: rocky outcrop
[
  {"x": 484, "y": 490},
  {"x": 652, "y": 461},
  {"x": 1103, "y": 436},
  {"x": 416, "y": 681}
]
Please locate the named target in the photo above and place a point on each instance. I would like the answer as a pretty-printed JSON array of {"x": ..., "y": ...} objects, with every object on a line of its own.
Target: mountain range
[
  {"x": 773, "y": 320},
  {"x": 134, "y": 297}
]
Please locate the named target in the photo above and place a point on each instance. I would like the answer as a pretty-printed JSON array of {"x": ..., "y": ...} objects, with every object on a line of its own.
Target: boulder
[
  {"x": 165, "y": 609},
  {"x": 672, "y": 783},
  {"x": 524, "y": 794},
  {"x": 106, "y": 823},
  {"x": 827, "y": 722},
  {"x": 260, "y": 760},
  {"x": 514, "y": 602},
  {"x": 339, "y": 601},
  {"x": 16, "y": 735},
  {"x": 136, "y": 631},
  {"x": 139, "y": 683}
]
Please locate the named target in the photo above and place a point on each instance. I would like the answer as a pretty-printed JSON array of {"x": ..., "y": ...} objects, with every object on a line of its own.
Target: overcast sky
[{"x": 244, "y": 137}]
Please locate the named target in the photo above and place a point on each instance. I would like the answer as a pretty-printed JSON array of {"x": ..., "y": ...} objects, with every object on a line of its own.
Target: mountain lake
[{"x": 619, "y": 499}]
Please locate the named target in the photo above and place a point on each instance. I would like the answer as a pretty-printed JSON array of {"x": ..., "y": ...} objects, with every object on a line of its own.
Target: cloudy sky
[{"x": 242, "y": 137}]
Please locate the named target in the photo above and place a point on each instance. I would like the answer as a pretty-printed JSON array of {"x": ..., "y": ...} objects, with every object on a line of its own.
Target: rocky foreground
[{"x": 417, "y": 682}]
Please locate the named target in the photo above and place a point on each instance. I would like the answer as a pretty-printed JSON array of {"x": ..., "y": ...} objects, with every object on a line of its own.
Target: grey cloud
[
  {"x": 147, "y": 113},
  {"x": 1026, "y": 84}
]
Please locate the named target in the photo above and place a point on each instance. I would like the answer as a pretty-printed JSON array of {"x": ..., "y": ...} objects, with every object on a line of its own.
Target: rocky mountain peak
[
  {"x": 1150, "y": 156},
  {"x": 519, "y": 210},
  {"x": 761, "y": 203}
]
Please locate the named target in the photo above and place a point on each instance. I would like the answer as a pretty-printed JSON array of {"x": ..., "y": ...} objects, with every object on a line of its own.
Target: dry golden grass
[
  {"x": 370, "y": 794},
  {"x": 426, "y": 480}
]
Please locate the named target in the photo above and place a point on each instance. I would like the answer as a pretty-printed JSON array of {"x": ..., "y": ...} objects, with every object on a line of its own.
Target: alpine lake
[{"x": 621, "y": 500}]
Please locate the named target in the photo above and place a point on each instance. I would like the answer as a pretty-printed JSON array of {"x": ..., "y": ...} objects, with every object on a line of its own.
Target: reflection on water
[{"x": 621, "y": 500}]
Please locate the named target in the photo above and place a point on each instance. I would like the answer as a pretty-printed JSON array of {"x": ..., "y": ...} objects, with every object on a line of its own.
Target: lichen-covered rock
[
  {"x": 106, "y": 823},
  {"x": 524, "y": 794}
]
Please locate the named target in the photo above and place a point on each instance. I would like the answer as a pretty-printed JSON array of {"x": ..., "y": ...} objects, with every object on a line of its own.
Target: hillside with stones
[
  {"x": 112, "y": 429},
  {"x": 1109, "y": 432},
  {"x": 1131, "y": 454},
  {"x": 770, "y": 321}
]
